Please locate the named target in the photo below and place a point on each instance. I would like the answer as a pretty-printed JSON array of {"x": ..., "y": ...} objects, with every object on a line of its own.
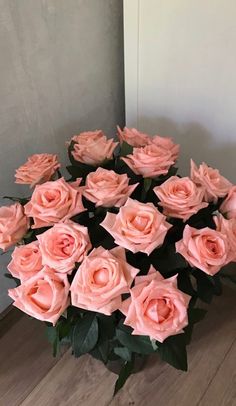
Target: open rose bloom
[
  {"x": 156, "y": 307},
  {"x": 92, "y": 147},
  {"x": 118, "y": 256},
  {"x": 39, "y": 168}
]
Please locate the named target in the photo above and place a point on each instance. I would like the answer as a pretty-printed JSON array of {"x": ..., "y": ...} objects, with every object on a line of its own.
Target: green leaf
[
  {"x": 167, "y": 261},
  {"x": 125, "y": 372},
  {"x": 51, "y": 334},
  {"x": 74, "y": 171},
  {"x": 147, "y": 184},
  {"x": 205, "y": 286},
  {"x": 229, "y": 280},
  {"x": 194, "y": 316},
  {"x": 126, "y": 149},
  {"x": 56, "y": 347},
  {"x": 85, "y": 335},
  {"x": 9, "y": 276},
  {"x": 135, "y": 343},
  {"x": 184, "y": 282},
  {"x": 107, "y": 327},
  {"x": 21, "y": 200},
  {"x": 101, "y": 351},
  {"x": 63, "y": 328},
  {"x": 106, "y": 331},
  {"x": 53, "y": 338},
  {"x": 173, "y": 351},
  {"x": 123, "y": 353},
  {"x": 217, "y": 285}
]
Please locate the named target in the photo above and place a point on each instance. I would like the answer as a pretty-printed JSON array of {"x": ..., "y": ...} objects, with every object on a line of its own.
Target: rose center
[
  {"x": 101, "y": 277},
  {"x": 140, "y": 223},
  {"x": 181, "y": 191},
  {"x": 41, "y": 295},
  {"x": 157, "y": 310},
  {"x": 66, "y": 245},
  {"x": 212, "y": 246}
]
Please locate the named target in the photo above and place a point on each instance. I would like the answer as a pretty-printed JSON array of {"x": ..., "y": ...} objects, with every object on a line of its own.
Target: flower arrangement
[{"x": 116, "y": 259}]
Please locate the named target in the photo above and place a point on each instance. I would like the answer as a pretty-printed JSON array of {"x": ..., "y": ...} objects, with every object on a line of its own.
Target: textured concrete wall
[{"x": 61, "y": 72}]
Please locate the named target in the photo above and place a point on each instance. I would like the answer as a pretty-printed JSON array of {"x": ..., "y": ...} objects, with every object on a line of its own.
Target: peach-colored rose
[
  {"x": 13, "y": 225},
  {"x": 26, "y": 261},
  {"x": 149, "y": 161},
  {"x": 133, "y": 137},
  {"x": 228, "y": 206},
  {"x": 45, "y": 296},
  {"x": 228, "y": 228},
  {"x": 92, "y": 147},
  {"x": 180, "y": 197},
  {"x": 137, "y": 226},
  {"x": 205, "y": 249},
  {"x": 107, "y": 188},
  {"x": 39, "y": 168},
  {"x": 214, "y": 184},
  {"x": 156, "y": 308},
  {"x": 101, "y": 279},
  {"x": 167, "y": 143},
  {"x": 54, "y": 201},
  {"x": 63, "y": 245}
]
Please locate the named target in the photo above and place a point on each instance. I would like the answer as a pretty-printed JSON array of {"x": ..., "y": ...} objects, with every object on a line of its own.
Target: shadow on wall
[{"x": 196, "y": 142}]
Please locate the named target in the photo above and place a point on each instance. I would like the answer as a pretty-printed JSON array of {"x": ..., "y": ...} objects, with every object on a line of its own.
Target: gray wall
[
  {"x": 61, "y": 72},
  {"x": 180, "y": 76}
]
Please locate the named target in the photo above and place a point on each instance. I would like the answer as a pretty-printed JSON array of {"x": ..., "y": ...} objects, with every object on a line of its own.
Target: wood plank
[
  {"x": 25, "y": 357},
  {"x": 82, "y": 382},
  {"x": 86, "y": 382},
  {"x": 222, "y": 390}
]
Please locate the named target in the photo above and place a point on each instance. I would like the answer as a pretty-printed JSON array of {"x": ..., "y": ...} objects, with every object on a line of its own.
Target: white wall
[
  {"x": 180, "y": 75},
  {"x": 61, "y": 72}
]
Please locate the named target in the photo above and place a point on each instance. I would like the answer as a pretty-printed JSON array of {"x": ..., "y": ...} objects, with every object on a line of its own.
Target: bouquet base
[{"x": 115, "y": 365}]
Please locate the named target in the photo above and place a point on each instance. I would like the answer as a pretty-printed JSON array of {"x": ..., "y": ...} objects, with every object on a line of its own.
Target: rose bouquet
[{"x": 116, "y": 259}]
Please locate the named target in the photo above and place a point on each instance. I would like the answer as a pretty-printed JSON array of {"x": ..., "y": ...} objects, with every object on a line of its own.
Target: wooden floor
[{"x": 29, "y": 376}]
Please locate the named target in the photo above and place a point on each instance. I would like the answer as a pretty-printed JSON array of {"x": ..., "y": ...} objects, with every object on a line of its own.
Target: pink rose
[
  {"x": 107, "y": 188},
  {"x": 54, "y": 201},
  {"x": 39, "y": 168},
  {"x": 26, "y": 261},
  {"x": 180, "y": 197},
  {"x": 156, "y": 308},
  {"x": 92, "y": 147},
  {"x": 101, "y": 279},
  {"x": 44, "y": 296},
  {"x": 214, "y": 184},
  {"x": 137, "y": 226},
  {"x": 63, "y": 245},
  {"x": 13, "y": 225},
  {"x": 205, "y": 249},
  {"x": 149, "y": 161},
  {"x": 228, "y": 206},
  {"x": 228, "y": 228},
  {"x": 133, "y": 137},
  {"x": 168, "y": 144}
]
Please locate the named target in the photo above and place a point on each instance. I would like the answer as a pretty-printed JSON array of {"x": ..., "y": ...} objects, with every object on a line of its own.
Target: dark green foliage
[
  {"x": 135, "y": 343},
  {"x": 173, "y": 351},
  {"x": 21, "y": 200},
  {"x": 84, "y": 335},
  {"x": 125, "y": 372},
  {"x": 9, "y": 276}
]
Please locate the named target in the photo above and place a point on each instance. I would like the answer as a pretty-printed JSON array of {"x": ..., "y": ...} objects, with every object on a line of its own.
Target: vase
[{"x": 116, "y": 365}]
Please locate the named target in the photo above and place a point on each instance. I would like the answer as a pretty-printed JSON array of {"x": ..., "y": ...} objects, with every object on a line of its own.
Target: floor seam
[
  {"x": 216, "y": 372},
  {"x": 50, "y": 369}
]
